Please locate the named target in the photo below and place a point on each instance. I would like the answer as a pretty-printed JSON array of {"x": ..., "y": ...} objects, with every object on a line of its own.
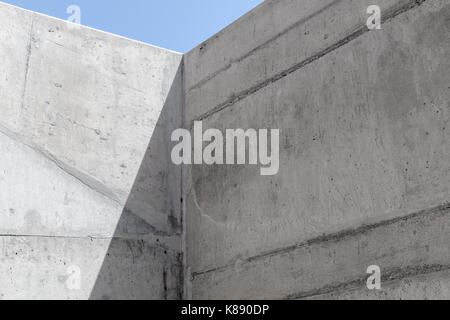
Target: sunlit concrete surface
[{"x": 86, "y": 179}]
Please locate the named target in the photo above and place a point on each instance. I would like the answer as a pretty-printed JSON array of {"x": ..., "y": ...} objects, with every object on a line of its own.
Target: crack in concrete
[
  {"x": 27, "y": 63},
  {"x": 387, "y": 16},
  {"x": 180, "y": 278},
  {"x": 164, "y": 278},
  {"x": 333, "y": 237},
  {"x": 202, "y": 214}
]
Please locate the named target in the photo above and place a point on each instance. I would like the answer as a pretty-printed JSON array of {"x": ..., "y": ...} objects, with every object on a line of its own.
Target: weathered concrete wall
[
  {"x": 364, "y": 170},
  {"x": 87, "y": 183},
  {"x": 86, "y": 179}
]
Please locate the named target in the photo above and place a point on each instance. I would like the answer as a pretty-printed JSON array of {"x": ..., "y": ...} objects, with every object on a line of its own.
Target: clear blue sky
[{"x": 178, "y": 25}]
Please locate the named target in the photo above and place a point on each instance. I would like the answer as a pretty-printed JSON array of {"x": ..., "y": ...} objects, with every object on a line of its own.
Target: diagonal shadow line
[{"x": 144, "y": 258}]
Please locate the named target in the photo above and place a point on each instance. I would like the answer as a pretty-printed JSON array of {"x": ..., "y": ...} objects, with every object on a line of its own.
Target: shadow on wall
[{"x": 144, "y": 259}]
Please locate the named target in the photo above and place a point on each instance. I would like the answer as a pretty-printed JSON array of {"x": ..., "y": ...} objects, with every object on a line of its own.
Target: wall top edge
[
  {"x": 225, "y": 29},
  {"x": 4, "y": 4}
]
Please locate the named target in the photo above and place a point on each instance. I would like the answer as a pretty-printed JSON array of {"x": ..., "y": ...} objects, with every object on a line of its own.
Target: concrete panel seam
[
  {"x": 89, "y": 182},
  {"x": 263, "y": 45},
  {"x": 387, "y": 16},
  {"x": 389, "y": 275},
  {"x": 91, "y": 238},
  {"x": 335, "y": 237},
  {"x": 4, "y": 235}
]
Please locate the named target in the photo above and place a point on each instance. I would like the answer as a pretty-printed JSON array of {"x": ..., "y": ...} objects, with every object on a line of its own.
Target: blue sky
[{"x": 178, "y": 25}]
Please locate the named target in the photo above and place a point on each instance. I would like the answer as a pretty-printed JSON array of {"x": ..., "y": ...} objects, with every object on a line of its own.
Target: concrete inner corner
[{"x": 92, "y": 206}]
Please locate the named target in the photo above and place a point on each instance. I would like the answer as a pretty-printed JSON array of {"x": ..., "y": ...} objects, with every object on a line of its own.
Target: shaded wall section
[
  {"x": 87, "y": 192},
  {"x": 145, "y": 253},
  {"x": 364, "y": 149}
]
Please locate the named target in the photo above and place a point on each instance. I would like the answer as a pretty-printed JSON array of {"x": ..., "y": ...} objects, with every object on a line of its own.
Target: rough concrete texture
[
  {"x": 87, "y": 180},
  {"x": 86, "y": 176},
  {"x": 364, "y": 140},
  {"x": 431, "y": 286},
  {"x": 405, "y": 247}
]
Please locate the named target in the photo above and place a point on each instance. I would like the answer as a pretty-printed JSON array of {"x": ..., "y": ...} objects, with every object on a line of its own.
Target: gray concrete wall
[
  {"x": 86, "y": 179},
  {"x": 364, "y": 174}
]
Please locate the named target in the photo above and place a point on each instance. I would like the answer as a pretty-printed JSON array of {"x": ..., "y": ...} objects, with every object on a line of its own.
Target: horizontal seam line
[
  {"x": 82, "y": 238},
  {"x": 5, "y": 235}
]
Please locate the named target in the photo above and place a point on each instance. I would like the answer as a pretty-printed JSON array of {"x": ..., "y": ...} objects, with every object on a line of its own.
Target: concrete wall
[
  {"x": 87, "y": 183},
  {"x": 364, "y": 174},
  {"x": 86, "y": 179}
]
